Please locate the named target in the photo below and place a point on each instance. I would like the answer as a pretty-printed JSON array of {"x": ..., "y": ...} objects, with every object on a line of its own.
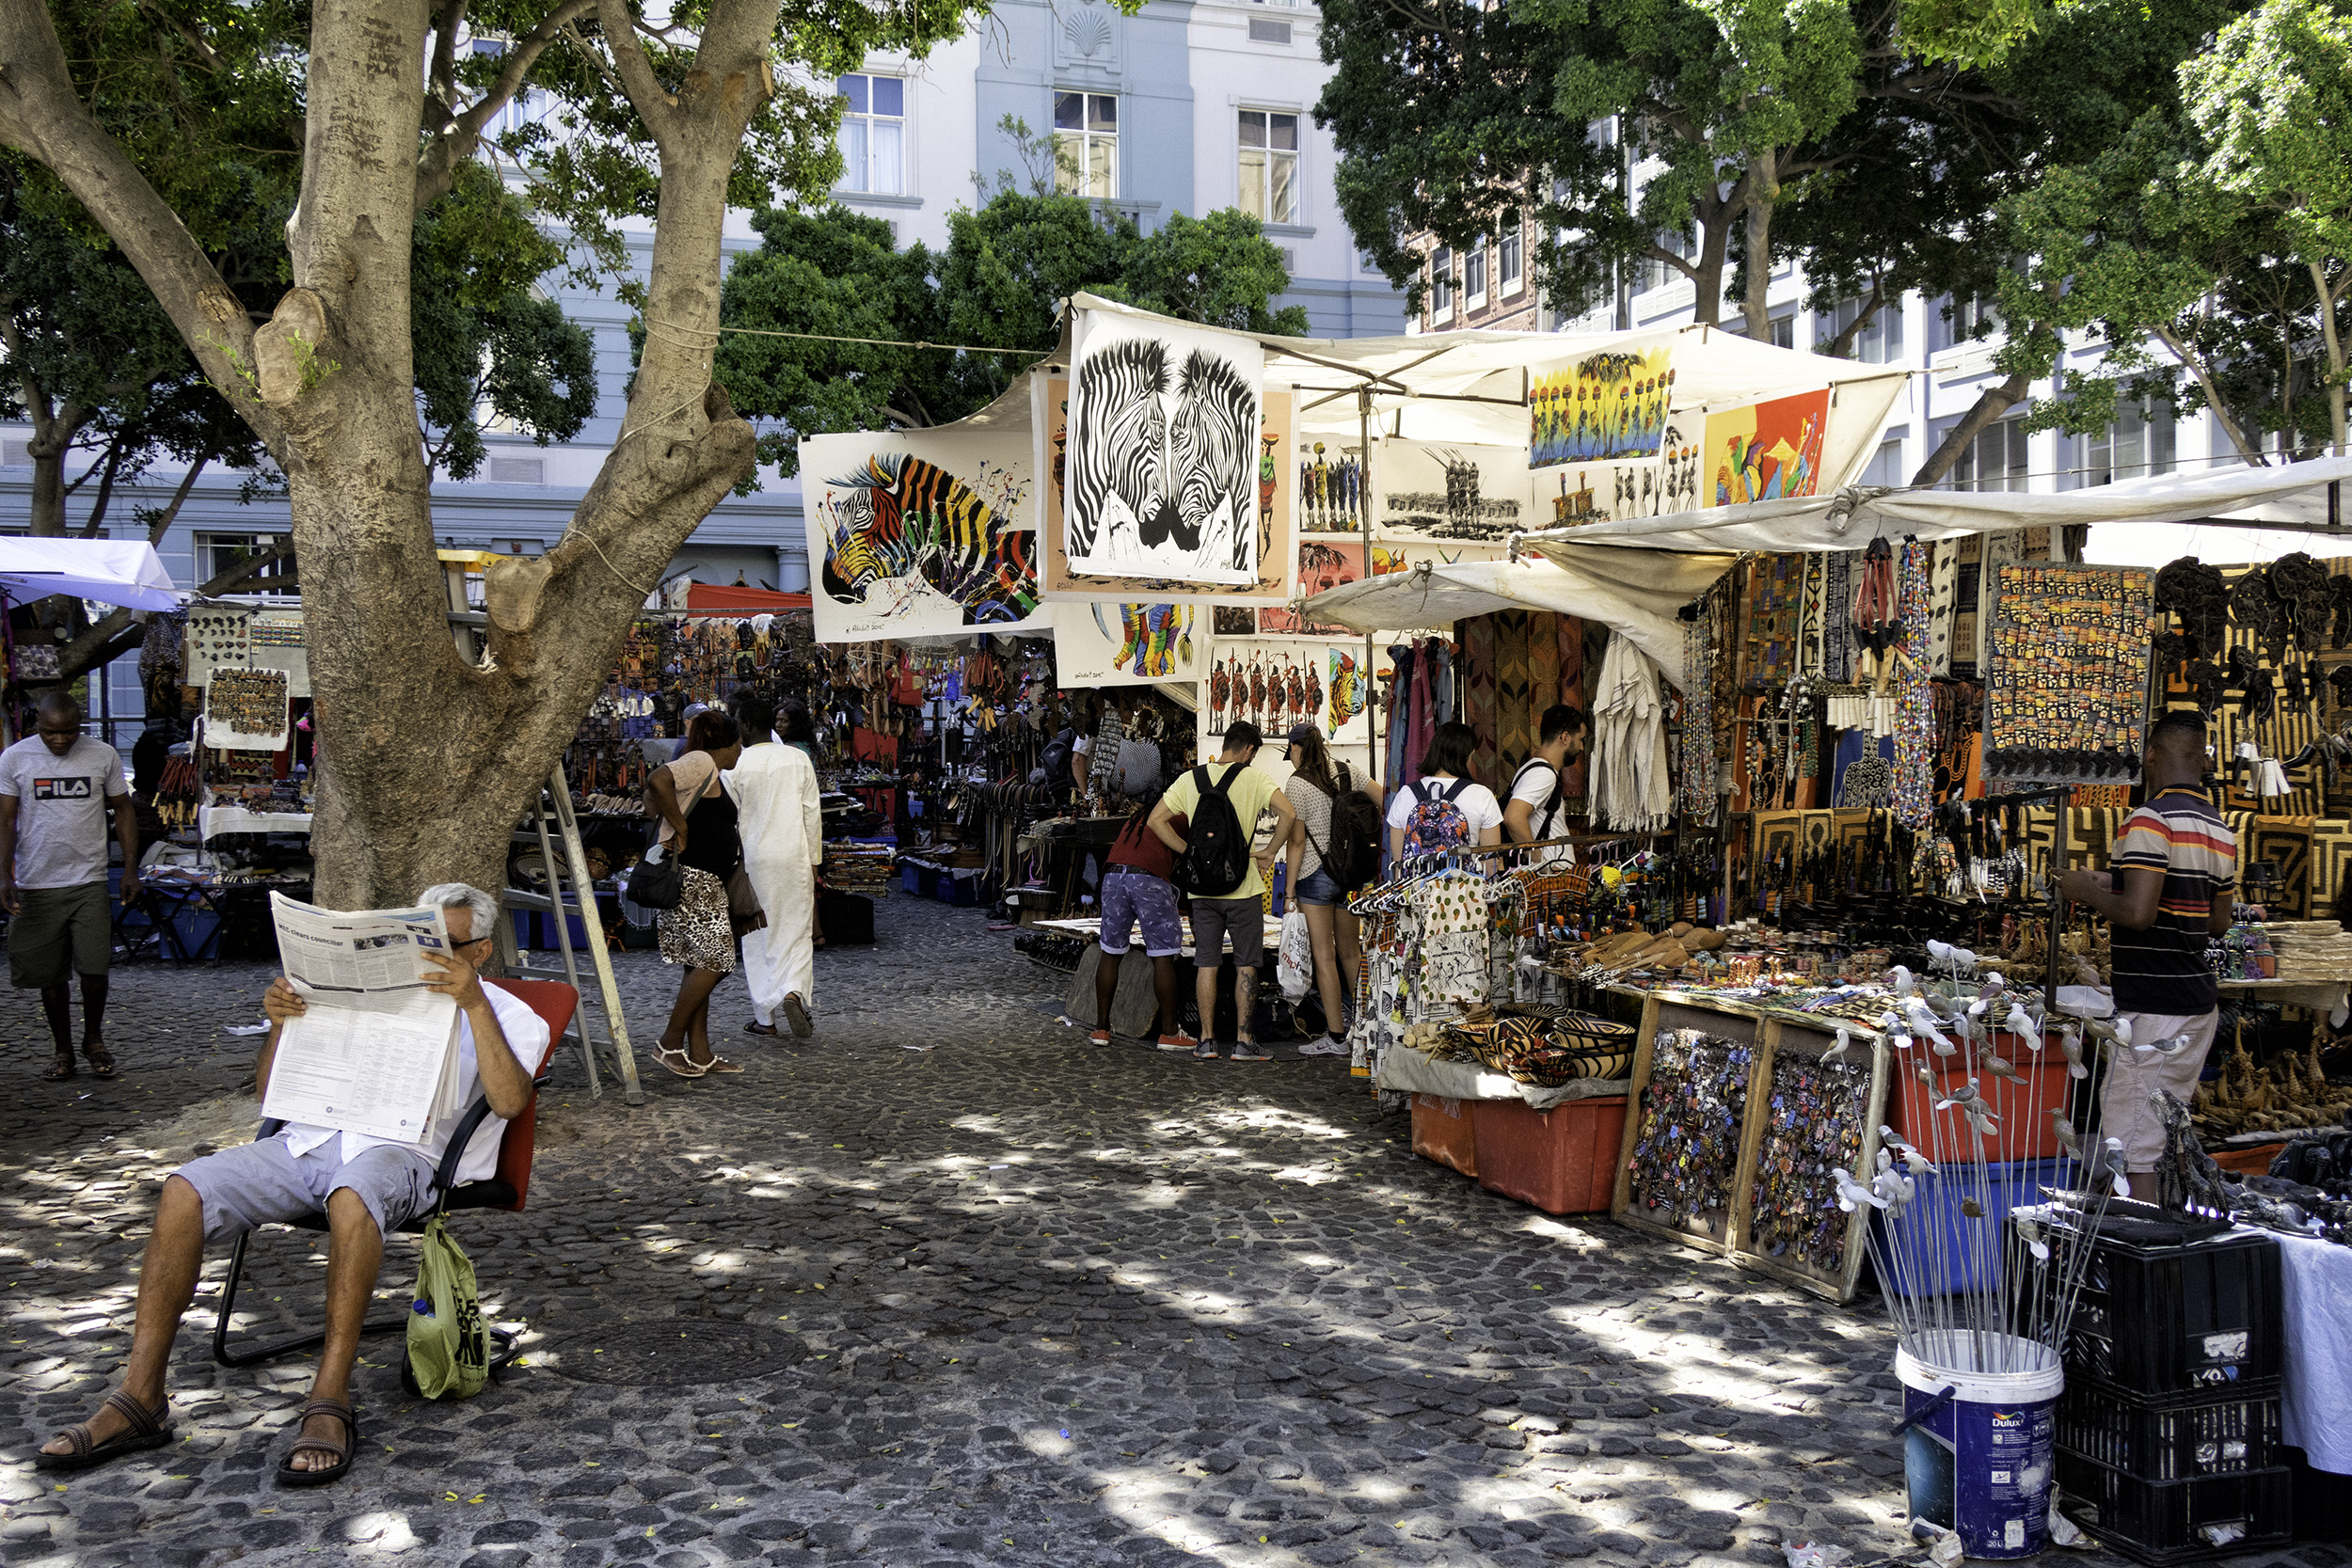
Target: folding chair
[{"x": 504, "y": 1189}]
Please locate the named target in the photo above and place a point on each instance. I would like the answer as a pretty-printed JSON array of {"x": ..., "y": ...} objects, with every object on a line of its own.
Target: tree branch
[
  {"x": 105, "y": 489},
  {"x": 164, "y": 519},
  {"x": 1841, "y": 346},
  {"x": 41, "y": 115},
  {"x": 655, "y": 104},
  {"x": 2250, "y": 451},
  {"x": 454, "y": 141},
  {"x": 1991, "y": 404}
]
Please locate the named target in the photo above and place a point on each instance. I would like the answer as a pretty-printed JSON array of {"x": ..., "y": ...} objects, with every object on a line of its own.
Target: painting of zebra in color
[
  {"x": 1163, "y": 464},
  {"x": 916, "y": 535}
]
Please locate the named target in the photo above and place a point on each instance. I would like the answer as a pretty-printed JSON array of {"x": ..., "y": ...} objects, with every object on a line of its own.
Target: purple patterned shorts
[{"x": 1132, "y": 898}]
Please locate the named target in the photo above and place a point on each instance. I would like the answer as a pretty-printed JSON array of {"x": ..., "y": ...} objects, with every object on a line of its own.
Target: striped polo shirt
[{"x": 2162, "y": 968}]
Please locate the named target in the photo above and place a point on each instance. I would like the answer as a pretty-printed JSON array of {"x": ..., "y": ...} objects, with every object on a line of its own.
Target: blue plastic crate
[{"x": 1953, "y": 1245}]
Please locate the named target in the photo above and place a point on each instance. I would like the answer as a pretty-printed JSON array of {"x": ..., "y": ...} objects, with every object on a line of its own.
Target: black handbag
[{"x": 658, "y": 884}]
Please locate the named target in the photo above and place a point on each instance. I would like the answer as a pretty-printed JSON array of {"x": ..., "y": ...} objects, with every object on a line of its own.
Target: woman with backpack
[
  {"x": 1334, "y": 851},
  {"x": 1445, "y": 809}
]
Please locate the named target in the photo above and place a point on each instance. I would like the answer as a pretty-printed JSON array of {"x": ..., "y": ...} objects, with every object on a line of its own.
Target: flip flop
[
  {"x": 718, "y": 1064},
  {"x": 63, "y": 1068},
  {"x": 765, "y": 1030},
  {"x": 340, "y": 1409},
  {"x": 148, "y": 1430}
]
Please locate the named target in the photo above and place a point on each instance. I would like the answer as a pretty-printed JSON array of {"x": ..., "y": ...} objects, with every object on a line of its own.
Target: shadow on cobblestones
[{"x": 1062, "y": 1304}]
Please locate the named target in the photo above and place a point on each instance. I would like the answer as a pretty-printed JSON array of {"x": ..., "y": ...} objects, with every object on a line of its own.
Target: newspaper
[{"x": 375, "y": 1052}]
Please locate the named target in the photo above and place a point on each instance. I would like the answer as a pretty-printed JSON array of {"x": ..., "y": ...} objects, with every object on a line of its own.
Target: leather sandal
[
  {"x": 102, "y": 1061},
  {"x": 340, "y": 1409},
  {"x": 148, "y": 1430},
  {"x": 63, "y": 1067}
]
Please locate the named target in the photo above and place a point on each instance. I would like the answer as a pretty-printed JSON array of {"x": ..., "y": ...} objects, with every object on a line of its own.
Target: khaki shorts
[
  {"x": 2128, "y": 1107},
  {"x": 58, "y": 924}
]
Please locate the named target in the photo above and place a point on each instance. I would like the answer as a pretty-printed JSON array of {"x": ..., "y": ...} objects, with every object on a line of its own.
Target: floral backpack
[{"x": 1435, "y": 822}]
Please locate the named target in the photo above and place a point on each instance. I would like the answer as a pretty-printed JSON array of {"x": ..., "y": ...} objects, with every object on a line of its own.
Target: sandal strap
[
  {"x": 144, "y": 1422},
  {"x": 341, "y": 1412}
]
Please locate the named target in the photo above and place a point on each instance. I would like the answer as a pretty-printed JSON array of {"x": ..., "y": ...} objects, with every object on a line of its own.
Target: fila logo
[{"x": 64, "y": 789}]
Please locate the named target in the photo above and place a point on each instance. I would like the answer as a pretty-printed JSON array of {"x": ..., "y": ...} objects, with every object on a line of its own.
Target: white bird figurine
[
  {"x": 2072, "y": 1044},
  {"x": 1939, "y": 955},
  {"x": 1905, "y": 983},
  {"x": 1923, "y": 1023},
  {"x": 1851, "y": 1195},
  {"x": 2115, "y": 1168},
  {"x": 2173, "y": 1047},
  {"x": 2019, "y": 1021},
  {"x": 1964, "y": 961},
  {"x": 2030, "y": 1233},
  {"x": 1837, "y": 1051}
]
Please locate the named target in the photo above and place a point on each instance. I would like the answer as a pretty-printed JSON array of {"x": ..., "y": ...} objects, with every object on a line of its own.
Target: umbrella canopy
[
  {"x": 122, "y": 572},
  {"x": 1633, "y": 593}
]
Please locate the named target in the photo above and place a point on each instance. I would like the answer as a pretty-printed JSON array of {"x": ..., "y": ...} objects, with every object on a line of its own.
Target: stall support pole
[{"x": 1363, "y": 514}]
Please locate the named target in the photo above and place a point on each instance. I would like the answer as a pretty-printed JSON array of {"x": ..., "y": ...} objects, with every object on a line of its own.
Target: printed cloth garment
[
  {"x": 1104, "y": 751},
  {"x": 1942, "y": 605},
  {"x": 1509, "y": 732},
  {"x": 1915, "y": 730},
  {"x": 1631, "y": 787},
  {"x": 1387, "y": 991},
  {"x": 1836, "y": 624},
  {"x": 1810, "y": 616},
  {"x": 1445, "y": 686},
  {"x": 1480, "y": 674},
  {"x": 1405, "y": 659},
  {"x": 1455, "y": 925},
  {"x": 697, "y": 933}
]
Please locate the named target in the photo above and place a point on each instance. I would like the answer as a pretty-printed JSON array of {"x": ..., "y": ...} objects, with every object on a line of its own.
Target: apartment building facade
[{"x": 1187, "y": 105}]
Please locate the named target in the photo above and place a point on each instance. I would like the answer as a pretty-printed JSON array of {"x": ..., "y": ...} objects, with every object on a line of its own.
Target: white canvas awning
[
  {"x": 1633, "y": 592},
  {"x": 111, "y": 571},
  {"x": 1852, "y": 518}
]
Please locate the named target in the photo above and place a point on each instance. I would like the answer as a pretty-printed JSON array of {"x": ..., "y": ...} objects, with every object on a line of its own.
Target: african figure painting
[
  {"x": 1165, "y": 456},
  {"x": 916, "y": 536}
]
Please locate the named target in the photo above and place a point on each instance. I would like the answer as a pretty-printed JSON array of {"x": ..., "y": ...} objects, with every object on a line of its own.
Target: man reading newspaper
[{"x": 380, "y": 985}]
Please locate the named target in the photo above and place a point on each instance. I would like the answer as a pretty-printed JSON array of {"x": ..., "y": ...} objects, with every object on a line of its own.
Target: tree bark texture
[
  {"x": 1763, "y": 190},
  {"x": 426, "y": 761}
]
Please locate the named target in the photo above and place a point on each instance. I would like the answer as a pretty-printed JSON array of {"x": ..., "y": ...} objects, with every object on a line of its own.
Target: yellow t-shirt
[{"x": 1249, "y": 789}]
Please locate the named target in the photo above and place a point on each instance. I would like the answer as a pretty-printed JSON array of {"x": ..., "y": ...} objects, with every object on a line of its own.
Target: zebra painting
[
  {"x": 902, "y": 519},
  {"x": 1118, "y": 451},
  {"x": 1212, "y": 456}
]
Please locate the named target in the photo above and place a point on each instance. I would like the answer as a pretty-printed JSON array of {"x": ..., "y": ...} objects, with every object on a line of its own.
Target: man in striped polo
[{"x": 2174, "y": 871}]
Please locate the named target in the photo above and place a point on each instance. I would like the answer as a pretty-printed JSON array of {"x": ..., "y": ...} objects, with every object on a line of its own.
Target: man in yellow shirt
[{"x": 1238, "y": 914}]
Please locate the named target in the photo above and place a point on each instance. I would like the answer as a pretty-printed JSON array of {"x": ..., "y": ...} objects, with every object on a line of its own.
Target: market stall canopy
[
  {"x": 124, "y": 572},
  {"x": 1852, "y": 517},
  {"x": 1471, "y": 387},
  {"x": 1633, "y": 592}
]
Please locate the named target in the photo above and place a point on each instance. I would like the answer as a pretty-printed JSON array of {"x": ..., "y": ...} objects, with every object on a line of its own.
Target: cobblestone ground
[{"x": 1060, "y": 1305}]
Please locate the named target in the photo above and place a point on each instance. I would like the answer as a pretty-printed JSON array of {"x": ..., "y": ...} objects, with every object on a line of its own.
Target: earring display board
[
  {"x": 1755, "y": 1084},
  {"x": 2066, "y": 698},
  {"x": 245, "y": 710},
  {"x": 215, "y": 639},
  {"x": 274, "y": 642}
]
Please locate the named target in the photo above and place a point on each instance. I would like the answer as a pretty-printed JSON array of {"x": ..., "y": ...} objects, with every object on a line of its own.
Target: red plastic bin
[
  {"x": 1564, "y": 1160},
  {"x": 2023, "y": 1104},
  {"x": 1443, "y": 1130}
]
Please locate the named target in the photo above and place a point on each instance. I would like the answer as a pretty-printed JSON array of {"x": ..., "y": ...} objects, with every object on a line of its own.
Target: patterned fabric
[
  {"x": 1967, "y": 605},
  {"x": 697, "y": 933},
  {"x": 1810, "y": 616},
  {"x": 1453, "y": 920},
  {"x": 1768, "y": 654},
  {"x": 1570, "y": 633},
  {"x": 1915, "y": 731},
  {"x": 1508, "y": 720},
  {"x": 1695, "y": 776},
  {"x": 1542, "y": 674},
  {"x": 1478, "y": 689},
  {"x": 2330, "y": 867},
  {"x": 2286, "y": 843},
  {"x": 1837, "y": 622}
]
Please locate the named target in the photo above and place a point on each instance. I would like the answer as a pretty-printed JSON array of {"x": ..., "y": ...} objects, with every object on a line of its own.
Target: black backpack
[
  {"x": 1351, "y": 859},
  {"x": 1551, "y": 807},
  {"x": 1053, "y": 764},
  {"x": 1217, "y": 848}
]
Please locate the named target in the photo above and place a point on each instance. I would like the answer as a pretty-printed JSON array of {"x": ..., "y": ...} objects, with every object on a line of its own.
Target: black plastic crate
[
  {"x": 2163, "y": 1321},
  {"x": 2165, "y": 1522},
  {"x": 2175, "y": 1439}
]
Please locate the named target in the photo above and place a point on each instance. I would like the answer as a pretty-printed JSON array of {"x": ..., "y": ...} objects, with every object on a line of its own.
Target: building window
[
  {"x": 1441, "y": 287},
  {"x": 1269, "y": 165},
  {"x": 1996, "y": 460},
  {"x": 217, "y": 553},
  {"x": 1885, "y": 467},
  {"x": 1510, "y": 269},
  {"x": 874, "y": 134},
  {"x": 2138, "y": 442},
  {"x": 1654, "y": 272},
  {"x": 1474, "y": 280},
  {"x": 1781, "y": 328},
  {"x": 1085, "y": 144},
  {"x": 1954, "y": 322}
]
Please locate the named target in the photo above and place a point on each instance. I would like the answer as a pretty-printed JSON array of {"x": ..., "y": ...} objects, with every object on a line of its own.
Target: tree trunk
[
  {"x": 48, "y": 514},
  {"x": 1763, "y": 190},
  {"x": 2334, "y": 339},
  {"x": 1707, "y": 273},
  {"x": 426, "y": 762},
  {"x": 1991, "y": 404}
]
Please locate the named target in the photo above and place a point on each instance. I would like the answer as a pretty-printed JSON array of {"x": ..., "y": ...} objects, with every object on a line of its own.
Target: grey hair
[{"x": 449, "y": 895}]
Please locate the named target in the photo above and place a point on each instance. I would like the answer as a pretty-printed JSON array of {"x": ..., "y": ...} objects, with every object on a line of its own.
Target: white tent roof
[
  {"x": 111, "y": 571},
  {"x": 1633, "y": 592},
  {"x": 1852, "y": 518}
]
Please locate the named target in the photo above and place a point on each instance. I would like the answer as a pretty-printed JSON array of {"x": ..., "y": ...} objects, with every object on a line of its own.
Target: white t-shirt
[
  {"x": 1537, "y": 780},
  {"x": 61, "y": 809},
  {"x": 525, "y": 1035},
  {"x": 1476, "y": 804}
]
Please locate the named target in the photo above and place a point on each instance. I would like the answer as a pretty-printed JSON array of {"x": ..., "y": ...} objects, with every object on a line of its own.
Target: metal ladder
[{"x": 555, "y": 800}]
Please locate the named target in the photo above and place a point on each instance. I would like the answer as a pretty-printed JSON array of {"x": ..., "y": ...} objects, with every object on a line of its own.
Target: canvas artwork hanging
[
  {"x": 1163, "y": 462},
  {"x": 1051, "y": 413},
  {"x": 1322, "y": 564},
  {"x": 918, "y": 533},
  {"x": 1130, "y": 644},
  {"x": 1330, "y": 488},
  {"x": 1278, "y": 685},
  {"x": 1608, "y": 492},
  {"x": 1602, "y": 409},
  {"x": 1764, "y": 451},
  {"x": 1427, "y": 491}
]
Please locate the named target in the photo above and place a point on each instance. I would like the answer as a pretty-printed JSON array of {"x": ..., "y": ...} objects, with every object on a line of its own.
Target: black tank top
[{"x": 713, "y": 842}]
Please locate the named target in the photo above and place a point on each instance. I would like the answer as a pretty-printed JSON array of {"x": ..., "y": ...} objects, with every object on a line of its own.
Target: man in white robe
[{"x": 781, "y": 824}]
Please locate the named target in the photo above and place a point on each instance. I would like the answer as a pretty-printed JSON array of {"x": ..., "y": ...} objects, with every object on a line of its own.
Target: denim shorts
[
  {"x": 265, "y": 1181},
  {"x": 1316, "y": 887},
  {"x": 1132, "y": 898}
]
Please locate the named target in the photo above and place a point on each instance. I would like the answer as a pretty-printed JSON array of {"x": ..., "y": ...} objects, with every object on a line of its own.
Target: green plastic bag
[{"x": 448, "y": 1346}]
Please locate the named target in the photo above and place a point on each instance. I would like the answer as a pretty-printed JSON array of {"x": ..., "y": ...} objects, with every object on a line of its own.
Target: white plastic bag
[{"x": 1294, "y": 966}]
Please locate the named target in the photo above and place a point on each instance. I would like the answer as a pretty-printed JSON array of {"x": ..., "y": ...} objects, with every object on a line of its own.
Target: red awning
[{"x": 709, "y": 598}]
